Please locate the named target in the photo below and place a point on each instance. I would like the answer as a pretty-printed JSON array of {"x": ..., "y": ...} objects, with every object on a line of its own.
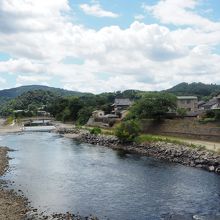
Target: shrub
[
  {"x": 210, "y": 114},
  {"x": 9, "y": 120},
  {"x": 217, "y": 115},
  {"x": 127, "y": 131},
  {"x": 95, "y": 131}
]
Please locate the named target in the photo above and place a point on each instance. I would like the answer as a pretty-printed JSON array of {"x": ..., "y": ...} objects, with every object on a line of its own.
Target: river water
[{"x": 58, "y": 174}]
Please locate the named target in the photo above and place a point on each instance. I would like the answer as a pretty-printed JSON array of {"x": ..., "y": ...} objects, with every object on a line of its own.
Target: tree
[
  {"x": 153, "y": 105},
  {"x": 66, "y": 115},
  {"x": 84, "y": 115},
  {"x": 127, "y": 131}
]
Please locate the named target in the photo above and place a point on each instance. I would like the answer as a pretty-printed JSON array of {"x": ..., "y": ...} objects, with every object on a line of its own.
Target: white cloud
[
  {"x": 139, "y": 17},
  {"x": 32, "y": 79},
  {"x": 96, "y": 9},
  {"x": 2, "y": 81},
  {"x": 181, "y": 12},
  {"x": 148, "y": 57},
  {"x": 29, "y": 15},
  {"x": 20, "y": 66}
]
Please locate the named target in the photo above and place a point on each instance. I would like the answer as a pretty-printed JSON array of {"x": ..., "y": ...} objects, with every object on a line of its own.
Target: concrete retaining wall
[{"x": 189, "y": 127}]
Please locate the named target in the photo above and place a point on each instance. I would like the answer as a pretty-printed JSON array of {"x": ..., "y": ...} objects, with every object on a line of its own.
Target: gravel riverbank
[
  {"x": 177, "y": 153},
  {"x": 12, "y": 206}
]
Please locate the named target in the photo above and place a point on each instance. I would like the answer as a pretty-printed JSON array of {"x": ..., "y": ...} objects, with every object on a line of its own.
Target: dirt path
[{"x": 214, "y": 146}]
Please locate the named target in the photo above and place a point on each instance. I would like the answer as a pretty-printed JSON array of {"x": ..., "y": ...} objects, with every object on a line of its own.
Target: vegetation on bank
[
  {"x": 127, "y": 131},
  {"x": 159, "y": 138},
  {"x": 211, "y": 116}
]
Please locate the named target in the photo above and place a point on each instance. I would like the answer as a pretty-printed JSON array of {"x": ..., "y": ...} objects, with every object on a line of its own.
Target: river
[{"x": 58, "y": 174}]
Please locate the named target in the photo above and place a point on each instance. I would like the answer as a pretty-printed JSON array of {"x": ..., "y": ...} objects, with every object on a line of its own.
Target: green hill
[
  {"x": 198, "y": 89},
  {"x": 8, "y": 94},
  {"x": 31, "y": 100}
]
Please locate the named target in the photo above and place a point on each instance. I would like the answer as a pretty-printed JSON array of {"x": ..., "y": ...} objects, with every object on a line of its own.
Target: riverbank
[
  {"x": 9, "y": 128},
  {"x": 12, "y": 206},
  {"x": 178, "y": 153}
]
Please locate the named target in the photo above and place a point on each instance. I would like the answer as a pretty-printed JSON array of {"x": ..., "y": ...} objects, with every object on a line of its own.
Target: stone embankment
[{"x": 178, "y": 153}]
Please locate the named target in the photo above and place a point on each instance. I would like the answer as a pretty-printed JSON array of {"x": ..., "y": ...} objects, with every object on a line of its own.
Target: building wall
[
  {"x": 191, "y": 128},
  {"x": 189, "y": 104},
  {"x": 98, "y": 114}
]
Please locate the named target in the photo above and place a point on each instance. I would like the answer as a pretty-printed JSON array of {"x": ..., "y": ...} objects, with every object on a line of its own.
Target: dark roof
[
  {"x": 195, "y": 114},
  {"x": 211, "y": 102},
  {"x": 111, "y": 116},
  {"x": 201, "y": 103},
  {"x": 125, "y": 102}
]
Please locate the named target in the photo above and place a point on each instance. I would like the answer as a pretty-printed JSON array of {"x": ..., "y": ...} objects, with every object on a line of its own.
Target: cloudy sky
[{"x": 109, "y": 45}]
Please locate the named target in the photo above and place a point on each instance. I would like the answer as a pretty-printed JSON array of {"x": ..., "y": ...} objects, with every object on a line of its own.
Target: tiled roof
[
  {"x": 211, "y": 102},
  {"x": 200, "y": 103}
]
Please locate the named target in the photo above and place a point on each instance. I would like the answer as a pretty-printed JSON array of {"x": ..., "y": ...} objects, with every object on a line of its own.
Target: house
[
  {"x": 98, "y": 114},
  {"x": 18, "y": 111},
  {"x": 201, "y": 105},
  {"x": 121, "y": 105},
  {"x": 43, "y": 113},
  {"x": 190, "y": 103},
  {"x": 213, "y": 103}
]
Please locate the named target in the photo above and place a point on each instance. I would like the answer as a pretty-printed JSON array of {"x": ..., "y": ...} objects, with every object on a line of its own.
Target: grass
[
  {"x": 9, "y": 120},
  {"x": 157, "y": 138},
  {"x": 108, "y": 131},
  {"x": 207, "y": 120}
]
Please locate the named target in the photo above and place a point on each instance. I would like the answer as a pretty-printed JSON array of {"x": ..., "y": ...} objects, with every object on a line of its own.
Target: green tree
[
  {"x": 66, "y": 115},
  {"x": 127, "y": 131},
  {"x": 153, "y": 105},
  {"x": 84, "y": 115}
]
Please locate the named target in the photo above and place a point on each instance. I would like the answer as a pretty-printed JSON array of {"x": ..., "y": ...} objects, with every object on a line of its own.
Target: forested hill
[
  {"x": 198, "y": 89},
  {"x": 31, "y": 100},
  {"x": 9, "y": 94}
]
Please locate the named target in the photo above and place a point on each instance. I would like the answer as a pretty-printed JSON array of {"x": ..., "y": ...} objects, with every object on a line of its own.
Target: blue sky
[
  {"x": 125, "y": 9},
  {"x": 102, "y": 45}
]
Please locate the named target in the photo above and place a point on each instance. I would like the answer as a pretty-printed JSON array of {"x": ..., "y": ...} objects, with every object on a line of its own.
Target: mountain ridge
[
  {"x": 8, "y": 94},
  {"x": 196, "y": 88}
]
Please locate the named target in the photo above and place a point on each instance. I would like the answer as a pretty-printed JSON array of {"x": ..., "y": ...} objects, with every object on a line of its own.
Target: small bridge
[{"x": 39, "y": 118}]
